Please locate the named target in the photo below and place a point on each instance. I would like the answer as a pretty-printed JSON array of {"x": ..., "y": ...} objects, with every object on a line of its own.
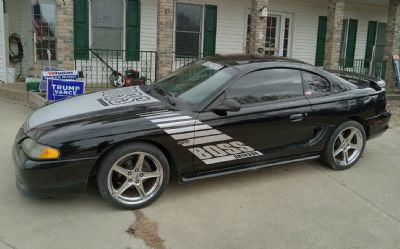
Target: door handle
[{"x": 296, "y": 117}]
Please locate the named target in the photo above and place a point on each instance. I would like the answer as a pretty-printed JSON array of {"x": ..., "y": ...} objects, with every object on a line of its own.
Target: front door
[
  {"x": 272, "y": 122},
  {"x": 278, "y": 34}
]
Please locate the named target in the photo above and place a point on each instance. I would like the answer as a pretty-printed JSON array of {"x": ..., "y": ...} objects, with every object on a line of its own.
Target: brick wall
[
  {"x": 334, "y": 33},
  {"x": 165, "y": 21},
  {"x": 65, "y": 34},
  {"x": 258, "y": 27},
  {"x": 392, "y": 41}
]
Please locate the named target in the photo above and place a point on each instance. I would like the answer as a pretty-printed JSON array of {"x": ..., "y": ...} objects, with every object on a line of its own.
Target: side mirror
[{"x": 227, "y": 105}]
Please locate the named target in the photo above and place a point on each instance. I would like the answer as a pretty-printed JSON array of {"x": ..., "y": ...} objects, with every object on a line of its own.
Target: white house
[{"x": 157, "y": 36}]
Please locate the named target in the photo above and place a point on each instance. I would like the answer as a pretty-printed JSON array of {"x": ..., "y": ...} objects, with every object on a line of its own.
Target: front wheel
[
  {"x": 346, "y": 146},
  {"x": 133, "y": 176}
]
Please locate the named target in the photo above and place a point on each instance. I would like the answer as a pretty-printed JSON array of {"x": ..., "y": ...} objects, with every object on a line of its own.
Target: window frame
[
  {"x": 123, "y": 35},
  {"x": 273, "y": 101},
  {"x": 201, "y": 32},
  {"x": 45, "y": 38},
  {"x": 304, "y": 84}
]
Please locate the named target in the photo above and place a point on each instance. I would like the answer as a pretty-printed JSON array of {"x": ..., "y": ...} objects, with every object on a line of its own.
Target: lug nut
[
  {"x": 129, "y": 173},
  {"x": 141, "y": 175},
  {"x": 136, "y": 170},
  {"x": 137, "y": 181}
]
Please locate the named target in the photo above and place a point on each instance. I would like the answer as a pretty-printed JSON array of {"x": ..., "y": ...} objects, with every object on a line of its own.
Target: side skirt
[{"x": 228, "y": 171}]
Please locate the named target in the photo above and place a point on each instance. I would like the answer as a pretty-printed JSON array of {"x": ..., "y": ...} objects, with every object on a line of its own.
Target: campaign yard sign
[
  {"x": 56, "y": 74},
  {"x": 61, "y": 89}
]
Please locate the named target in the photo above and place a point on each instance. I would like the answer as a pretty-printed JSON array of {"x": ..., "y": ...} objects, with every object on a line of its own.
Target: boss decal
[
  {"x": 126, "y": 95},
  {"x": 206, "y": 143}
]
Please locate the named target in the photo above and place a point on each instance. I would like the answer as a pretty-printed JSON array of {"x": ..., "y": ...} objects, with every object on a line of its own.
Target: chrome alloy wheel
[
  {"x": 135, "y": 178},
  {"x": 348, "y": 146}
]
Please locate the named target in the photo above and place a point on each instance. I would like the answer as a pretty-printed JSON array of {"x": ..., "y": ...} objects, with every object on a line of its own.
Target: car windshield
[{"x": 197, "y": 81}]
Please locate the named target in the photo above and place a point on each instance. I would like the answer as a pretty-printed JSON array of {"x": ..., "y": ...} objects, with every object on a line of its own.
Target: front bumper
[
  {"x": 45, "y": 179},
  {"x": 378, "y": 124}
]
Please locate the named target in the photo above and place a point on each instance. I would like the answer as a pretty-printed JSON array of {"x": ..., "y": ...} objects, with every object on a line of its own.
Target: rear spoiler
[{"x": 373, "y": 82}]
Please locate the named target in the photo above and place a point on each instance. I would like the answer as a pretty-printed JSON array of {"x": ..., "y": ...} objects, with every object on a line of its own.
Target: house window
[
  {"x": 188, "y": 29},
  {"x": 107, "y": 24},
  {"x": 44, "y": 23}
]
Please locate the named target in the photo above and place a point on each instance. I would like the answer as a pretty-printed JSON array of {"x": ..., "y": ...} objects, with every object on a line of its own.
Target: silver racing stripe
[
  {"x": 170, "y": 119},
  {"x": 165, "y": 114},
  {"x": 188, "y": 129},
  {"x": 180, "y": 123},
  {"x": 206, "y": 143},
  {"x": 205, "y": 140},
  {"x": 197, "y": 134}
]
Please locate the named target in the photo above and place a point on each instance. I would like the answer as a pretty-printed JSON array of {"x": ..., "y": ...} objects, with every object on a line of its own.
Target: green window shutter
[
  {"x": 371, "y": 37},
  {"x": 81, "y": 30},
  {"x": 132, "y": 40},
  {"x": 321, "y": 38},
  {"x": 210, "y": 30},
  {"x": 351, "y": 43}
]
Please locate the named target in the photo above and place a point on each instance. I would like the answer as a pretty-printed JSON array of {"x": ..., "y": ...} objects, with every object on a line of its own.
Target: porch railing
[
  {"x": 182, "y": 59},
  {"x": 365, "y": 67},
  {"x": 101, "y": 63}
]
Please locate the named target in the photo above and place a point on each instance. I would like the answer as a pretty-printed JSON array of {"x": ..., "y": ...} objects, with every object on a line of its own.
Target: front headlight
[{"x": 38, "y": 151}]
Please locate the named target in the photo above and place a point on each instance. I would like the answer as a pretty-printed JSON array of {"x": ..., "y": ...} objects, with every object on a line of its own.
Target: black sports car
[{"x": 216, "y": 116}]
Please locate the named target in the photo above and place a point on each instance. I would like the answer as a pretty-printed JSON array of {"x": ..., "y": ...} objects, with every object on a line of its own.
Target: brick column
[
  {"x": 65, "y": 34},
  {"x": 165, "y": 22},
  {"x": 392, "y": 44},
  {"x": 334, "y": 33},
  {"x": 258, "y": 28}
]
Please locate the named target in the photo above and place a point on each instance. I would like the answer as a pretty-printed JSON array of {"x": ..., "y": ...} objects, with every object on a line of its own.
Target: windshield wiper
[{"x": 161, "y": 91}]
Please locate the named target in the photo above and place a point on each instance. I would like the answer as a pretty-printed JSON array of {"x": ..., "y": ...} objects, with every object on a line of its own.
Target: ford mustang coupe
[{"x": 215, "y": 116}]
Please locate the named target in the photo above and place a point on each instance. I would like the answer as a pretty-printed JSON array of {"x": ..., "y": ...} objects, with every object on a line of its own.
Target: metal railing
[
  {"x": 102, "y": 63},
  {"x": 365, "y": 67},
  {"x": 182, "y": 59}
]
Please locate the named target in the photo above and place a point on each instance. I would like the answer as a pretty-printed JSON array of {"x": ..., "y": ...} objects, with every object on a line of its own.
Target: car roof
[{"x": 248, "y": 59}]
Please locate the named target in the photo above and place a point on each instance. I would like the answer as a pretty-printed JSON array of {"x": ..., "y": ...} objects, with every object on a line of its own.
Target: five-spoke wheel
[
  {"x": 133, "y": 176},
  {"x": 345, "y": 146}
]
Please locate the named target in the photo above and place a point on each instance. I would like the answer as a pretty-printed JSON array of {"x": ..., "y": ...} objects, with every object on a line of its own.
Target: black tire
[
  {"x": 334, "y": 144},
  {"x": 125, "y": 159}
]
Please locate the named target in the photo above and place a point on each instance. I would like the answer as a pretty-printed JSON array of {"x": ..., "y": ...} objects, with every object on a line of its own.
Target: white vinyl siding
[
  {"x": 2, "y": 45},
  {"x": 19, "y": 14}
]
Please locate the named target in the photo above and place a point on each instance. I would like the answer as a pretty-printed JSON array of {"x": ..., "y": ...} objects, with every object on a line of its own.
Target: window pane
[
  {"x": 106, "y": 38},
  {"x": 267, "y": 85},
  {"x": 188, "y": 17},
  {"x": 107, "y": 24},
  {"x": 44, "y": 23},
  {"x": 315, "y": 85},
  {"x": 187, "y": 44}
]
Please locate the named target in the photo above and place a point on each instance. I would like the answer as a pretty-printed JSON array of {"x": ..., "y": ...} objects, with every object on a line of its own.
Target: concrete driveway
[{"x": 301, "y": 205}]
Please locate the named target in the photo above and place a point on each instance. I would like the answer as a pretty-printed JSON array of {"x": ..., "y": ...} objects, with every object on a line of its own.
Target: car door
[{"x": 272, "y": 121}]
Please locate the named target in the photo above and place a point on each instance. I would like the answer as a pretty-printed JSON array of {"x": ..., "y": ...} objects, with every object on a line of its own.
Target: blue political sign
[
  {"x": 61, "y": 89},
  {"x": 56, "y": 74}
]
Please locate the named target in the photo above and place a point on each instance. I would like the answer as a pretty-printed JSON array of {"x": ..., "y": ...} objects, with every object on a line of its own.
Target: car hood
[{"x": 94, "y": 104}]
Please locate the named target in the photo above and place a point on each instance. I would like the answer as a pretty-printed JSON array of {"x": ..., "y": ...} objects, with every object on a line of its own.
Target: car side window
[
  {"x": 267, "y": 85},
  {"x": 314, "y": 85}
]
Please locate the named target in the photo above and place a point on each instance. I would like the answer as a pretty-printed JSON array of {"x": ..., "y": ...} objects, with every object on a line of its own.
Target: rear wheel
[
  {"x": 346, "y": 146},
  {"x": 133, "y": 176}
]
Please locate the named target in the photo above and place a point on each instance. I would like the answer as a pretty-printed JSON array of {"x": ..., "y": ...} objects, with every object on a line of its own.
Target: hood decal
[
  {"x": 93, "y": 102},
  {"x": 206, "y": 143}
]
